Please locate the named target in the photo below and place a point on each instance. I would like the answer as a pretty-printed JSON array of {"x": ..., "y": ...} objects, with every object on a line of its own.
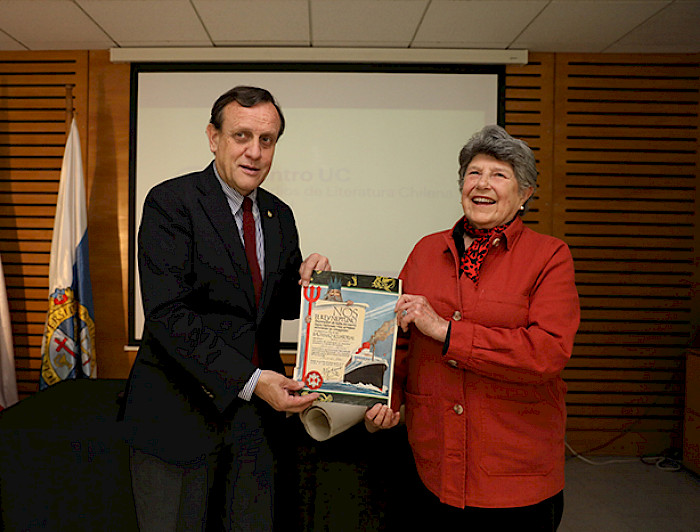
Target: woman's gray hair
[{"x": 495, "y": 141}]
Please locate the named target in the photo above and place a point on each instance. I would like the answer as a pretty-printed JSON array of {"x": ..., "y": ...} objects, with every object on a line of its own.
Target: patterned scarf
[{"x": 474, "y": 255}]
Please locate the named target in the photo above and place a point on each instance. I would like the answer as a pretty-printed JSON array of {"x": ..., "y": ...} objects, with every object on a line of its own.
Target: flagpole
[{"x": 69, "y": 107}]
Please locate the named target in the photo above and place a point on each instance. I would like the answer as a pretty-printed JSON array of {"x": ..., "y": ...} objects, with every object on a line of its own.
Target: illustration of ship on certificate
[{"x": 347, "y": 337}]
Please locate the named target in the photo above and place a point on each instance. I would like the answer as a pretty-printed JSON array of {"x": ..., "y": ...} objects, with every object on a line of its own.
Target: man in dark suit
[{"x": 207, "y": 389}]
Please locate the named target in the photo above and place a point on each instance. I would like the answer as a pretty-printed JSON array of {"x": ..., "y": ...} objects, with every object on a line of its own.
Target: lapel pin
[{"x": 269, "y": 214}]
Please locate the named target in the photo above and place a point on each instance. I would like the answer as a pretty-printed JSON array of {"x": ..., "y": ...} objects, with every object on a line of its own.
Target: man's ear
[{"x": 213, "y": 136}]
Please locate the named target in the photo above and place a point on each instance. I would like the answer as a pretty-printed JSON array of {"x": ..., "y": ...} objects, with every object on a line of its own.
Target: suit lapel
[
  {"x": 216, "y": 208},
  {"x": 272, "y": 232}
]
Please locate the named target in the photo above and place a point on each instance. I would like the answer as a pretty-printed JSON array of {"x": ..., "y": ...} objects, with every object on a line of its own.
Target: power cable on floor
[
  {"x": 598, "y": 462},
  {"x": 661, "y": 462}
]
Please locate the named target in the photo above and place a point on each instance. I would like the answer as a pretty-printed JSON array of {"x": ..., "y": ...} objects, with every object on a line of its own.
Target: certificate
[{"x": 347, "y": 337}]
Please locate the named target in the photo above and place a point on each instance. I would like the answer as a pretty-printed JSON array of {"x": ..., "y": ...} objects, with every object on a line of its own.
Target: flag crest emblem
[{"x": 62, "y": 355}]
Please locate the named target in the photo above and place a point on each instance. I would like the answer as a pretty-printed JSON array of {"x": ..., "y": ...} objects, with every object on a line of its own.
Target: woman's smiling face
[{"x": 491, "y": 195}]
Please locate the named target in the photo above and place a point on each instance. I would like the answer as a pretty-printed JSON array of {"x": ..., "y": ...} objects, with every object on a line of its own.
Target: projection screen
[{"x": 368, "y": 160}]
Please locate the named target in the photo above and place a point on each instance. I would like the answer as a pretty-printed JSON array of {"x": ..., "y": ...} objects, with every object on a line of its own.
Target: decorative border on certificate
[{"x": 347, "y": 337}]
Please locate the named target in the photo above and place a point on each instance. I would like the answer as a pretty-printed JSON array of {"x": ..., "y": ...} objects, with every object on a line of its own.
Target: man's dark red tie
[
  {"x": 251, "y": 255},
  {"x": 250, "y": 246}
]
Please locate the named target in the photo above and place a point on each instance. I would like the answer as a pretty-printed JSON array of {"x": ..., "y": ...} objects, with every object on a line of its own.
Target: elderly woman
[{"x": 490, "y": 309}]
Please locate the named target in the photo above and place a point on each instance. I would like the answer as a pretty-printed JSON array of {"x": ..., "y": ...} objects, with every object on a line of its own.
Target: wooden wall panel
[
  {"x": 529, "y": 100},
  {"x": 625, "y": 161},
  {"x": 107, "y": 177},
  {"x": 33, "y": 126}
]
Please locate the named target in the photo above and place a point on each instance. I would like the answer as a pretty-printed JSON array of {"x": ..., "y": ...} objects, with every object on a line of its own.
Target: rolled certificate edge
[{"x": 324, "y": 420}]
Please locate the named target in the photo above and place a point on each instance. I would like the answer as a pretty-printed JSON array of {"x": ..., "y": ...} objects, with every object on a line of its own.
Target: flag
[
  {"x": 68, "y": 345},
  {"x": 8, "y": 382}
]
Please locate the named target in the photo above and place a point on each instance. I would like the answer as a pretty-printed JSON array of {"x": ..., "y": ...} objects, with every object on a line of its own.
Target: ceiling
[{"x": 586, "y": 26}]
